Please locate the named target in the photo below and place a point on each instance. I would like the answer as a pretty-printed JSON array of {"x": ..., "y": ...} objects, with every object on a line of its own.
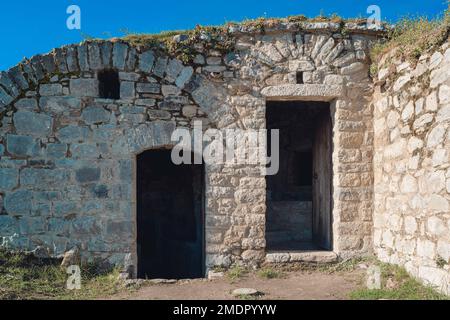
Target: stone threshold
[{"x": 302, "y": 256}]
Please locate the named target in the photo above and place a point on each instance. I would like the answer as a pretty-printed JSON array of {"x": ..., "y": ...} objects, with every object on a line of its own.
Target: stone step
[{"x": 304, "y": 256}]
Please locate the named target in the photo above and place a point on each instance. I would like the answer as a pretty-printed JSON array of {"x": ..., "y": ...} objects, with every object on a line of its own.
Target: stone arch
[
  {"x": 270, "y": 59},
  {"x": 63, "y": 135},
  {"x": 94, "y": 56}
]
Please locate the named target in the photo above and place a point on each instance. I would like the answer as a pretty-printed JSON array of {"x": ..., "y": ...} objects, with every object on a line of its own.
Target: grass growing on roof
[
  {"x": 413, "y": 36},
  {"x": 216, "y": 37}
]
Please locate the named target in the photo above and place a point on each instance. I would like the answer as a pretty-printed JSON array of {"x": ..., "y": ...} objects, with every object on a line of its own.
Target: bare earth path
[{"x": 293, "y": 286}]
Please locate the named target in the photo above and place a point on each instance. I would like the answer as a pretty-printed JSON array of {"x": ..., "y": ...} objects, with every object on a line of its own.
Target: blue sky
[{"x": 32, "y": 27}]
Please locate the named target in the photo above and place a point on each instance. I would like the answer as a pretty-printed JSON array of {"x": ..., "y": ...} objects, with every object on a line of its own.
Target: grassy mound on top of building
[{"x": 413, "y": 36}]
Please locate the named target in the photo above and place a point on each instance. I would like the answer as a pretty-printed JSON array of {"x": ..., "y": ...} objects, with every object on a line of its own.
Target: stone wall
[
  {"x": 412, "y": 165},
  {"x": 67, "y": 168}
]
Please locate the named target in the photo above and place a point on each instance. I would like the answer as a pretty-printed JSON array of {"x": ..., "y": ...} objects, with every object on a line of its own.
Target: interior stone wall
[
  {"x": 412, "y": 165},
  {"x": 289, "y": 192},
  {"x": 67, "y": 167}
]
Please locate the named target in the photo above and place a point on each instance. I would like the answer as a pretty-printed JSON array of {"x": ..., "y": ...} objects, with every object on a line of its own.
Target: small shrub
[
  {"x": 237, "y": 272},
  {"x": 299, "y": 18},
  {"x": 373, "y": 70}
]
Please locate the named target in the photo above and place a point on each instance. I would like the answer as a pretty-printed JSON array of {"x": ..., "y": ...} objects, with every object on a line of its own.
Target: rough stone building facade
[
  {"x": 79, "y": 125},
  {"x": 412, "y": 165}
]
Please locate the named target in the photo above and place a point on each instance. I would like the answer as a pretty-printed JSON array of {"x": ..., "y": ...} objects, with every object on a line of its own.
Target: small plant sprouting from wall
[{"x": 441, "y": 262}]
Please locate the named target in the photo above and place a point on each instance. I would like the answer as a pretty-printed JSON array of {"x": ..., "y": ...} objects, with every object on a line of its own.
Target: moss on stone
[
  {"x": 220, "y": 38},
  {"x": 217, "y": 38}
]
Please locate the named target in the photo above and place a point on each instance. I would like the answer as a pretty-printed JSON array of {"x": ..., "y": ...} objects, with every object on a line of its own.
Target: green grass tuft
[
  {"x": 269, "y": 273},
  {"x": 25, "y": 277},
  {"x": 236, "y": 272},
  {"x": 401, "y": 287}
]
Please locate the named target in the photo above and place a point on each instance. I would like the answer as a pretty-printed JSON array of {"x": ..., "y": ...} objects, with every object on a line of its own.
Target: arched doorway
[{"x": 170, "y": 217}]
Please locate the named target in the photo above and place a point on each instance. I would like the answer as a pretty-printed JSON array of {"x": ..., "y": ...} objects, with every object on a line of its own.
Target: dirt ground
[{"x": 299, "y": 285}]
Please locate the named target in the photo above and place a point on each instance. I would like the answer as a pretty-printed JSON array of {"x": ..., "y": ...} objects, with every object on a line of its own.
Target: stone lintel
[{"x": 303, "y": 92}]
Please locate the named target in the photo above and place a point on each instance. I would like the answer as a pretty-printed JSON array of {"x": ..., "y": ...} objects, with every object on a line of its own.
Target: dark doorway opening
[
  {"x": 299, "y": 77},
  {"x": 170, "y": 220},
  {"x": 299, "y": 195},
  {"x": 109, "y": 84}
]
